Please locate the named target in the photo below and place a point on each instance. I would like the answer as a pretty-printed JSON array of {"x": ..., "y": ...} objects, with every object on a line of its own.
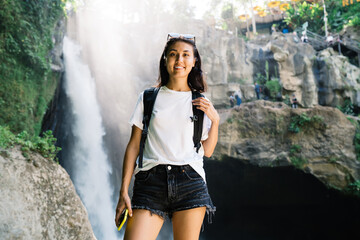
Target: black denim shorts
[{"x": 165, "y": 189}]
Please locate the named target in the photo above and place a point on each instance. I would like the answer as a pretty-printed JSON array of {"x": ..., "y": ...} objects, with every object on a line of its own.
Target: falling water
[
  {"x": 121, "y": 43},
  {"x": 89, "y": 165}
]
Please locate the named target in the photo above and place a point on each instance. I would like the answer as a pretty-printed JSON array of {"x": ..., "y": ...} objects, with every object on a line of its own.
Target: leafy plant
[
  {"x": 44, "y": 145},
  {"x": 347, "y": 107},
  {"x": 295, "y": 149},
  {"x": 339, "y": 16},
  {"x": 260, "y": 79},
  {"x": 274, "y": 87},
  {"x": 27, "y": 83},
  {"x": 302, "y": 121},
  {"x": 295, "y": 157},
  {"x": 354, "y": 188},
  {"x": 303, "y": 12},
  {"x": 357, "y": 142},
  {"x": 298, "y": 161},
  {"x": 287, "y": 100},
  {"x": 227, "y": 11}
]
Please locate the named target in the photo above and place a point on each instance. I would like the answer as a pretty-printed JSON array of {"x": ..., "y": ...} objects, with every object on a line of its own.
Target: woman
[{"x": 172, "y": 180}]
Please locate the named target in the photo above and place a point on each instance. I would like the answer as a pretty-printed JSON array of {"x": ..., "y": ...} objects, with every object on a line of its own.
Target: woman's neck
[{"x": 178, "y": 85}]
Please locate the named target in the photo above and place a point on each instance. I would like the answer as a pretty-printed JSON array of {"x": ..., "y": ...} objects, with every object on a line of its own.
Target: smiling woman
[
  {"x": 179, "y": 62},
  {"x": 169, "y": 174}
]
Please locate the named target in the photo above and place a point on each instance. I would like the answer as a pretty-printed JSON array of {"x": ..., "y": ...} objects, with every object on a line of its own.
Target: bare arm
[
  {"x": 210, "y": 143},
  {"x": 131, "y": 153},
  {"x": 207, "y": 107}
]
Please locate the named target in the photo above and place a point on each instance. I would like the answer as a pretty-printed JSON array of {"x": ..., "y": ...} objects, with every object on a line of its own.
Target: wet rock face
[
  {"x": 258, "y": 133},
  {"x": 57, "y": 64},
  {"x": 38, "y": 200},
  {"x": 337, "y": 79}
]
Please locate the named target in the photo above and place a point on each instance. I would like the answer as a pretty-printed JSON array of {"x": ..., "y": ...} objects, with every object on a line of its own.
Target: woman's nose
[{"x": 179, "y": 58}]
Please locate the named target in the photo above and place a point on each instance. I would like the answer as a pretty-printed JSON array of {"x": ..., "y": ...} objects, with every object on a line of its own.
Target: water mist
[
  {"x": 89, "y": 163},
  {"x": 121, "y": 42}
]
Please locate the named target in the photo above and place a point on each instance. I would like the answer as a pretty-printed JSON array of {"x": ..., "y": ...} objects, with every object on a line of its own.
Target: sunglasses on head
[{"x": 181, "y": 36}]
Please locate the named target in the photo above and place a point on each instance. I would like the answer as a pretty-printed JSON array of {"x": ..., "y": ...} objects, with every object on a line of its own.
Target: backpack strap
[
  {"x": 148, "y": 100},
  {"x": 198, "y": 122}
]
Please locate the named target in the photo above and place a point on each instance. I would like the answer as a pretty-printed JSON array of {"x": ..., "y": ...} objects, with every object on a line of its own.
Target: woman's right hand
[{"x": 124, "y": 202}]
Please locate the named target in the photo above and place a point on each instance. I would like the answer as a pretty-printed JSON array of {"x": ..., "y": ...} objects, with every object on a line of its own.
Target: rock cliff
[
  {"x": 38, "y": 200},
  {"x": 264, "y": 133},
  {"x": 232, "y": 64}
]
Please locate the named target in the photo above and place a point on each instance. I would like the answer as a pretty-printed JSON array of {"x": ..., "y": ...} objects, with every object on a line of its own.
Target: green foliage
[
  {"x": 303, "y": 121},
  {"x": 347, "y": 107},
  {"x": 354, "y": 188},
  {"x": 295, "y": 149},
  {"x": 230, "y": 120},
  {"x": 338, "y": 16},
  {"x": 303, "y": 12},
  {"x": 287, "y": 100},
  {"x": 274, "y": 87},
  {"x": 295, "y": 157},
  {"x": 260, "y": 79},
  {"x": 227, "y": 11},
  {"x": 298, "y": 161},
  {"x": 26, "y": 80},
  {"x": 44, "y": 145},
  {"x": 357, "y": 142}
]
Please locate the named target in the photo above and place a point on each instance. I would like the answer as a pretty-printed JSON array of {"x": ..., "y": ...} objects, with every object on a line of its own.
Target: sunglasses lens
[
  {"x": 183, "y": 36},
  {"x": 173, "y": 35},
  {"x": 189, "y": 36}
]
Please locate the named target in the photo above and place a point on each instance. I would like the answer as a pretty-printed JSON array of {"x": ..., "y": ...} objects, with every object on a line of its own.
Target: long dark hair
[{"x": 195, "y": 79}]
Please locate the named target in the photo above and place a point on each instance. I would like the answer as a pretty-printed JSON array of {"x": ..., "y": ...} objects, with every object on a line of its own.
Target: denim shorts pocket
[
  {"x": 191, "y": 174},
  {"x": 143, "y": 175}
]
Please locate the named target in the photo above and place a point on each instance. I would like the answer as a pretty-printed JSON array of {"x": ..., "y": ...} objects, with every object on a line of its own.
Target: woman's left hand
[{"x": 206, "y": 106}]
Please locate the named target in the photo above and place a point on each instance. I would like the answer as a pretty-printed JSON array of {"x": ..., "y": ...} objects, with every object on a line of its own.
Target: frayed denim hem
[
  {"x": 210, "y": 211},
  {"x": 152, "y": 211}
]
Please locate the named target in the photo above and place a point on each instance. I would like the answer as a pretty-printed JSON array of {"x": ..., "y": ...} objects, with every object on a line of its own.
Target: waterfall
[{"x": 89, "y": 164}]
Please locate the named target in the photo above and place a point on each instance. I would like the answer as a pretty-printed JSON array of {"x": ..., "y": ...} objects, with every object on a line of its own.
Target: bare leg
[
  {"x": 187, "y": 223},
  {"x": 143, "y": 225}
]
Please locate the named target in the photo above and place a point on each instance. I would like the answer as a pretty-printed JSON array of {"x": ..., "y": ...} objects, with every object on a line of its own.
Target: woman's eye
[{"x": 171, "y": 54}]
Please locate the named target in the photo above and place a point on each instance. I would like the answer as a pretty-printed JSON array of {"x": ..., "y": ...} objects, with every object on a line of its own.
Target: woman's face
[{"x": 180, "y": 60}]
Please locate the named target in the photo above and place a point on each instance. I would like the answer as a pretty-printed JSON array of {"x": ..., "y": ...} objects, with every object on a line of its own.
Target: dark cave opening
[{"x": 276, "y": 203}]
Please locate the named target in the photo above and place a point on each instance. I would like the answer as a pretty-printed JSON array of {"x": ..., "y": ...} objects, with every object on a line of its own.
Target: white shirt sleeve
[
  {"x": 137, "y": 116},
  {"x": 206, "y": 127}
]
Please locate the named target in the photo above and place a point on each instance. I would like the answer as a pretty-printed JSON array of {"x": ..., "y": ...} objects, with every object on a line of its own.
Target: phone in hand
[{"x": 123, "y": 218}]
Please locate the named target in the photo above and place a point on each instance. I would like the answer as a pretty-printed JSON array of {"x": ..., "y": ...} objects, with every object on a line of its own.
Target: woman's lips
[{"x": 178, "y": 68}]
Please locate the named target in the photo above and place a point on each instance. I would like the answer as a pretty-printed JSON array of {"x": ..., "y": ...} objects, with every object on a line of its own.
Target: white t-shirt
[{"x": 170, "y": 136}]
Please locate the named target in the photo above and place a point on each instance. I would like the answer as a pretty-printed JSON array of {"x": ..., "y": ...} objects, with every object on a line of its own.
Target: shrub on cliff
[
  {"x": 44, "y": 145},
  {"x": 26, "y": 81},
  {"x": 339, "y": 15},
  {"x": 303, "y": 121}
]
